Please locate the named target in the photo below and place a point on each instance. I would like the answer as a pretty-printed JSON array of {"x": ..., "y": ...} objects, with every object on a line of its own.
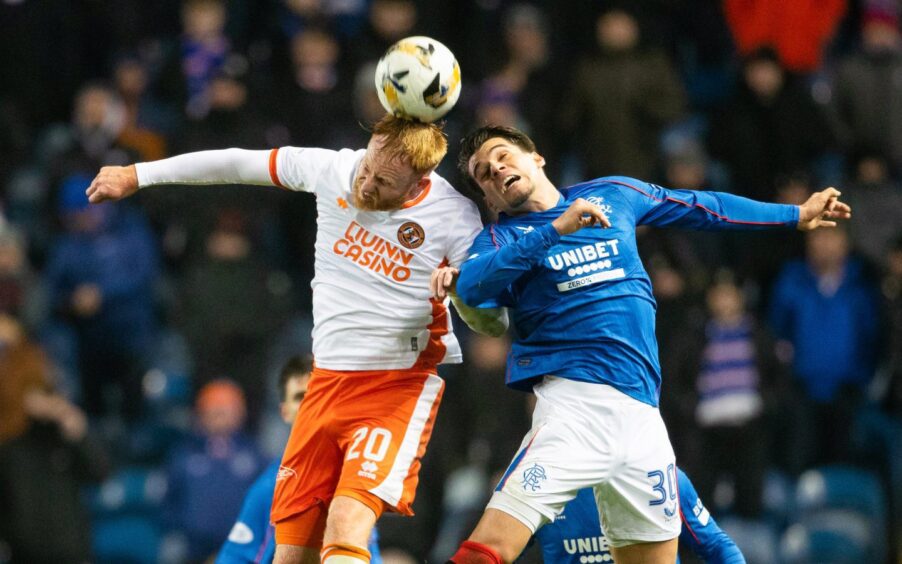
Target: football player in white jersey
[{"x": 385, "y": 222}]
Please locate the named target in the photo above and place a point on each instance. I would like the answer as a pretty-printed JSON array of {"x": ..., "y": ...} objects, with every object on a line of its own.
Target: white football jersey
[{"x": 371, "y": 301}]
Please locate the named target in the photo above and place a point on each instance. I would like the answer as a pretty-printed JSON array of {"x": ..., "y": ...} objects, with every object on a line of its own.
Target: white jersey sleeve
[{"x": 463, "y": 231}]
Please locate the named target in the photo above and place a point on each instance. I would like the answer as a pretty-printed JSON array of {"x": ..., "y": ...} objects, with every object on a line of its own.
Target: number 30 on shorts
[
  {"x": 376, "y": 446},
  {"x": 659, "y": 477}
]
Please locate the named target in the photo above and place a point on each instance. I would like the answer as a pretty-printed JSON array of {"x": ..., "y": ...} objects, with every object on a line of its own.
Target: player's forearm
[
  {"x": 485, "y": 276},
  {"x": 226, "y": 166},
  {"x": 486, "y": 321}
]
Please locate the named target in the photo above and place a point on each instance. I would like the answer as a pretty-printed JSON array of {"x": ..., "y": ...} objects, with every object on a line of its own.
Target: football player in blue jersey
[
  {"x": 566, "y": 265},
  {"x": 252, "y": 538},
  {"x": 575, "y": 536}
]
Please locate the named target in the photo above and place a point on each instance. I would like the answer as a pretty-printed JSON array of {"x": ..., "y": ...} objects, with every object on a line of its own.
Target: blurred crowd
[{"x": 140, "y": 340}]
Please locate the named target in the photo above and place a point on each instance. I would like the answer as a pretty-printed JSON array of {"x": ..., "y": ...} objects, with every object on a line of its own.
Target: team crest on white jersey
[
  {"x": 411, "y": 235},
  {"x": 533, "y": 477}
]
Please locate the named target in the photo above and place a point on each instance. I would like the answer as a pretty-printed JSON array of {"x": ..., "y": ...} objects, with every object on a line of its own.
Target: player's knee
[
  {"x": 350, "y": 521},
  {"x": 292, "y": 554}
]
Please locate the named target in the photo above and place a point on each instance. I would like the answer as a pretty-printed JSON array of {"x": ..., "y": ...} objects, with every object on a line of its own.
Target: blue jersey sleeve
[
  {"x": 702, "y": 210},
  {"x": 492, "y": 266},
  {"x": 700, "y": 531},
  {"x": 251, "y": 538}
]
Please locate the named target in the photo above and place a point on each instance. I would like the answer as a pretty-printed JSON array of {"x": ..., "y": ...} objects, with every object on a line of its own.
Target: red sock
[{"x": 474, "y": 553}]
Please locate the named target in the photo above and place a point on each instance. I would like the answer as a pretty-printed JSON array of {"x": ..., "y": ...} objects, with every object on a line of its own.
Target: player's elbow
[{"x": 499, "y": 324}]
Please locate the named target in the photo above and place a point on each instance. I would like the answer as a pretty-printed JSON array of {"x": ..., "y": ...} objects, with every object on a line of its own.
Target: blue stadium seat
[
  {"x": 841, "y": 487},
  {"x": 849, "y": 500},
  {"x": 832, "y": 537},
  {"x": 778, "y": 497},
  {"x": 126, "y": 540},
  {"x": 131, "y": 491},
  {"x": 757, "y": 539}
]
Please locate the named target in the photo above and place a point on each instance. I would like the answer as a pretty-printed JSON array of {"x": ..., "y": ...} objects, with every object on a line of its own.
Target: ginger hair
[{"x": 422, "y": 145}]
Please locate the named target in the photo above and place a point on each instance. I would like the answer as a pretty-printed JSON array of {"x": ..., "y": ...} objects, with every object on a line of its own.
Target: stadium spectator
[
  {"x": 769, "y": 127},
  {"x": 209, "y": 472},
  {"x": 867, "y": 96},
  {"x": 230, "y": 119},
  {"x": 735, "y": 380},
  {"x": 389, "y": 21},
  {"x": 824, "y": 309},
  {"x": 200, "y": 53},
  {"x": 21, "y": 289},
  {"x": 621, "y": 98},
  {"x": 100, "y": 279},
  {"x": 877, "y": 200},
  {"x": 147, "y": 119},
  {"x": 46, "y": 456},
  {"x": 312, "y": 97},
  {"x": 231, "y": 270},
  {"x": 523, "y": 91},
  {"x": 892, "y": 291}
]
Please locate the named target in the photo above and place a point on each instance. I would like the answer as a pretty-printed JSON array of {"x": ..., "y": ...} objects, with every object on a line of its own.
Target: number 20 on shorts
[{"x": 375, "y": 444}]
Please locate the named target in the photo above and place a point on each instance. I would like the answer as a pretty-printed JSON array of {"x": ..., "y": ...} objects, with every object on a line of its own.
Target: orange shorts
[{"x": 359, "y": 434}]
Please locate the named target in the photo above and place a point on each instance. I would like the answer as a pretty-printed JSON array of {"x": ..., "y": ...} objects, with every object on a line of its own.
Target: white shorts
[{"x": 591, "y": 435}]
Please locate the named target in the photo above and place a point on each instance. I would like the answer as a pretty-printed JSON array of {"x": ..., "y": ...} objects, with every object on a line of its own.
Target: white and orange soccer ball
[{"x": 418, "y": 78}]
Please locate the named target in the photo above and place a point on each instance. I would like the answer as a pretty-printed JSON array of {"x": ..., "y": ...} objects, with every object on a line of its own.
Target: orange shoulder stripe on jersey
[
  {"x": 273, "y": 173},
  {"x": 420, "y": 197}
]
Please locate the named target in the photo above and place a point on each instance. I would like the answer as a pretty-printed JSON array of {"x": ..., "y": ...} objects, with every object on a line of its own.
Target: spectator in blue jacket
[
  {"x": 825, "y": 311},
  {"x": 100, "y": 278}
]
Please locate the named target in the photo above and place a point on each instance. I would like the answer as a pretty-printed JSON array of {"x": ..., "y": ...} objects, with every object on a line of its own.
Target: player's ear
[{"x": 539, "y": 159}]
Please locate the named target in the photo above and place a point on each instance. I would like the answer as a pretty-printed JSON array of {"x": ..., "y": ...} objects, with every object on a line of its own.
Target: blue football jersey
[
  {"x": 582, "y": 304},
  {"x": 576, "y": 537},
  {"x": 252, "y": 538}
]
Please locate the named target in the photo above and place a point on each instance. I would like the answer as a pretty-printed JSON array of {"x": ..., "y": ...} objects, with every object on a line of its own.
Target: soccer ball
[{"x": 418, "y": 78}]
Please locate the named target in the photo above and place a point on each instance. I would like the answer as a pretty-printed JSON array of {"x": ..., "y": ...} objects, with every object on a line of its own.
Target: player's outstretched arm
[
  {"x": 226, "y": 166},
  {"x": 822, "y": 209}
]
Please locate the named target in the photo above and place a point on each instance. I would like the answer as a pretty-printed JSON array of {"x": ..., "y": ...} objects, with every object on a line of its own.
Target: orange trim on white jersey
[
  {"x": 435, "y": 349},
  {"x": 420, "y": 197},
  {"x": 273, "y": 172}
]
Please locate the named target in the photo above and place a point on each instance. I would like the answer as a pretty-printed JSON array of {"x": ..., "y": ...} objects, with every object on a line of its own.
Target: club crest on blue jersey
[
  {"x": 533, "y": 477},
  {"x": 599, "y": 201}
]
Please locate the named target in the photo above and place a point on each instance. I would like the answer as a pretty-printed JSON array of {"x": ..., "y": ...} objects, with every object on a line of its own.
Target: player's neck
[{"x": 544, "y": 197}]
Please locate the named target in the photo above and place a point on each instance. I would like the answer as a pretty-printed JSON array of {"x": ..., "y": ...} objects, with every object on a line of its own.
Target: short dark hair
[
  {"x": 298, "y": 365},
  {"x": 476, "y": 138}
]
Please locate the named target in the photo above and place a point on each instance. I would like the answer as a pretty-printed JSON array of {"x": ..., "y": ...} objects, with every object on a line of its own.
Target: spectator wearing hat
[
  {"x": 100, "y": 281},
  {"x": 209, "y": 471}
]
